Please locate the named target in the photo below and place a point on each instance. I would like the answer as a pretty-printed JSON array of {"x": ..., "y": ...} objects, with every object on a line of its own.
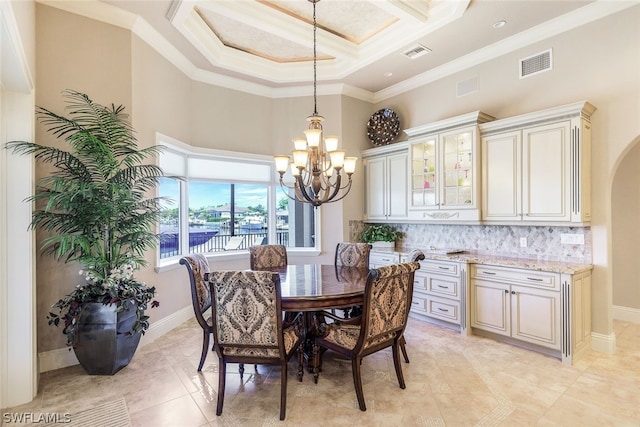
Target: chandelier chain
[{"x": 315, "y": 62}]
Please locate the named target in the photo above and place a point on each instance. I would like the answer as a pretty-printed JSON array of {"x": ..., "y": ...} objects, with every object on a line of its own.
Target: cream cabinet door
[
  {"x": 502, "y": 177},
  {"x": 546, "y": 177},
  {"x": 386, "y": 186},
  {"x": 535, "y": 316},
  {"x": 491, "y": 307},
  {"x": 397, "y": 188},
  {"x": 376, "y": 177}
]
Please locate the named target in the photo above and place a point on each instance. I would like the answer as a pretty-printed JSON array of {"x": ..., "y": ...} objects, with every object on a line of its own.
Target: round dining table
[{"x": 313, "y": 287}]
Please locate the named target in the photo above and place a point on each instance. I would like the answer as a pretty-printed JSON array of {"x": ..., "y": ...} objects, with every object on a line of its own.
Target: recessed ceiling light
[
  {"x": 388, "y": 74},
  {"x": 499, "y": 24}
]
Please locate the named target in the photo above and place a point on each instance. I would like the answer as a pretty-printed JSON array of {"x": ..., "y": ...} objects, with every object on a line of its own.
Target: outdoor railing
[{"x": 204, "y": 243}]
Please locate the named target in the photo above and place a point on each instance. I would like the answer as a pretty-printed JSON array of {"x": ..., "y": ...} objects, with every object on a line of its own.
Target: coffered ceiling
[{"x": 264, "y": 46}]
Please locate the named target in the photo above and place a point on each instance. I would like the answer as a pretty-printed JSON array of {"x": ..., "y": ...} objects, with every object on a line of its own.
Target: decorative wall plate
[{"x": 383, "y": 126}]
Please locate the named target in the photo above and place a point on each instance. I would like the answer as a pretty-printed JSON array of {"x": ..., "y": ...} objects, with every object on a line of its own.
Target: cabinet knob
[
  {"x": 506, "y": 291},
  {"x": 513, "y": 292}
]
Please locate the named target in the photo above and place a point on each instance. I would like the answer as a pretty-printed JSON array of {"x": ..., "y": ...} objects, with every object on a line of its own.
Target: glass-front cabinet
[{"x": 445, "y": 172}]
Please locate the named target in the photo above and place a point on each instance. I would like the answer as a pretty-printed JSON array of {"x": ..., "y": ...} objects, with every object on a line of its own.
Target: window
[{"x": 224, "y": 203}]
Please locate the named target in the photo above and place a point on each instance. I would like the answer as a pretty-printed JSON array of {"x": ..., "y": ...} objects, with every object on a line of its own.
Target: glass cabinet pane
[
  {"x": 424, "y": 173},
  {"x": 458, "y": 169}
]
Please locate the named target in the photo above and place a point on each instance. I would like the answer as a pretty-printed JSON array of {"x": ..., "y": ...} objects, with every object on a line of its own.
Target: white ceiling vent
[
  {"x": 535, "y": 64},
  {"x": 416, "y": 51}
]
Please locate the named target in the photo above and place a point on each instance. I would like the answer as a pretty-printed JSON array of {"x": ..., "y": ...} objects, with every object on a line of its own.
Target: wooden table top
[{"x": 311, "y": 287}]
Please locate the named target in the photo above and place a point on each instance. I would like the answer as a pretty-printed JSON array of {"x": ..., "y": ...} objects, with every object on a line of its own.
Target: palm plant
[{"x": 94, "y": 207}]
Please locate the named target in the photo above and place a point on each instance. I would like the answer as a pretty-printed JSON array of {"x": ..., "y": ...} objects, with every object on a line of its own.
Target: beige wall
[
  {"x": 90, "y": 57},
  {"x": 626, "y": 230}
]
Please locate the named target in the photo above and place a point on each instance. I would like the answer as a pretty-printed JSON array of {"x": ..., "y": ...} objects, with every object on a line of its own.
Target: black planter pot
[{"x": 105, "y": 344}]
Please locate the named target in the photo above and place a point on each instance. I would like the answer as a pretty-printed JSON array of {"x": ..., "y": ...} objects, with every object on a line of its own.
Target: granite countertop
[{"x": 572, "y": 266}]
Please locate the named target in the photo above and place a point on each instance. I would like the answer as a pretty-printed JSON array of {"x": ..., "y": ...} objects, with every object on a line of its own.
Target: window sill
[{"x": 220, "y": 257}]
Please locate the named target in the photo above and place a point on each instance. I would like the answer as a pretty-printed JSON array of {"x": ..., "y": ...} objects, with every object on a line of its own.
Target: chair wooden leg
[
  {"x": 222, "y": 375},
  {"x": 205, "y": 348},
  {"x": 316, "y": 362},
  {"x": 357, "y": 382},
  {"x": 397, "y": 365},
  {"x": 403, "y": 342},
  {"x": 300, "y": 363},
  {"x": 283, "y": 390}
]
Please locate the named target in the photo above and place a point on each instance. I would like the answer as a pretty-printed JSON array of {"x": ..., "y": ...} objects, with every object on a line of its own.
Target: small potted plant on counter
[{"x": 381, "y": 236}]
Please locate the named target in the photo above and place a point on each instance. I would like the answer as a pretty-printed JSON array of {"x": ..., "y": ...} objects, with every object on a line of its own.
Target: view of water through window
[{"x": 221, "y": 216}]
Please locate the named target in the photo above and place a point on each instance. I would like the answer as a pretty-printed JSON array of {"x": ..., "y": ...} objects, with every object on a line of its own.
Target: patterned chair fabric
[
  {"x": 197, "y": 267},
  {"x": 414, "y": 256},
  {"x": 267, "y": 256},
  {"x": 352, "y": 254},
  {"x": 247, "y": 326},
  {"x": 387, "y": 300}
]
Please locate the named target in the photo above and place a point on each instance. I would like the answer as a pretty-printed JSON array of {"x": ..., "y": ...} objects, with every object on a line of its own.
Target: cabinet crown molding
[
  {"x": 442, "y": 125},
  {"x": 577, "y": 109}
]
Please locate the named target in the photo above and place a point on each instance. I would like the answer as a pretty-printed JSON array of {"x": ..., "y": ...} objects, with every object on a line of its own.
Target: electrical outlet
[
  {"x": 523, "y": 242},
  {"x": 572, "y": 239}
]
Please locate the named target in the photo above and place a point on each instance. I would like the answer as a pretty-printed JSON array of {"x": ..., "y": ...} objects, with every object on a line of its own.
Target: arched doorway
[{"x": 625, "y": 235}]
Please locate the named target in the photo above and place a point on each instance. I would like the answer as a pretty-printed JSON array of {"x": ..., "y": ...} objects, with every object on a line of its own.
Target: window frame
[{"x": 186, "y": 152}]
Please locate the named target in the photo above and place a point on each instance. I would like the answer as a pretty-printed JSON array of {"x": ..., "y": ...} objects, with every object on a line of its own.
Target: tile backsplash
[{"x": 542, "y": 242}]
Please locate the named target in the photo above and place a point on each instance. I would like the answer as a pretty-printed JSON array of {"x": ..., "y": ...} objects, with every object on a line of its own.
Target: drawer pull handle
[
  {"x": 443, "y": 268},
  {"x": 443, "y": 287},
  {"x": 491, "y": 273},
  {"x": 535, "y": 279},
  {"x": 443, "y": 309},
  {"x": 415, "y": 303}
]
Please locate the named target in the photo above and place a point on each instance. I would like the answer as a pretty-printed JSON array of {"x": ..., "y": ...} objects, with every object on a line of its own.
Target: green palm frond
[{"x": 95, "y": 205}]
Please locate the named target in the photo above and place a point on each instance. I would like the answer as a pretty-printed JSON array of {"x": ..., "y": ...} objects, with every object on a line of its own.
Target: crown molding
[{"x": 110, "y": 14}]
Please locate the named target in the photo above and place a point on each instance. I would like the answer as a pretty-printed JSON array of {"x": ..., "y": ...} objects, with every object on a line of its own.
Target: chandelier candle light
[{"x": 317, "y": 170}]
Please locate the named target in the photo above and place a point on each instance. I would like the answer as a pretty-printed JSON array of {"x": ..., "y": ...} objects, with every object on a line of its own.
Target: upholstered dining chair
[
  {"x": 352, "y": 254},
  {"x": 414, "y": 256},
  {"x": 197, "y": 266},
  {"x": 267, "y": 256},
  {"x": 247, "y": 326},
  {"x": 387, "y": 300}
]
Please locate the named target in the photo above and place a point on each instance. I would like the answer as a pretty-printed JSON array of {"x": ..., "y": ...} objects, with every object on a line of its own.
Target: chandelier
[{"x": 317, "y": 170}]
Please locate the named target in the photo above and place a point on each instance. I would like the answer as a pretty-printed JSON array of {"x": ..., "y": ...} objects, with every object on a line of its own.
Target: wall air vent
[
  {"x": 536, "y": 64},
  {"x": 416, "y": 51},
  {"x": 465, "y": 87}
]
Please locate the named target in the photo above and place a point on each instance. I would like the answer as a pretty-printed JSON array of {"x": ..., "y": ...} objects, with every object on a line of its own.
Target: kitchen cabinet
[
  {"x": 385, "y": 174},
  {"x": 439, "y": 293},
  {"x": 382, "y": 258},
  {"x": 536, "y": 168},
  {"x": 544, "y": 311},
  {"x": 445, "y": 169}
]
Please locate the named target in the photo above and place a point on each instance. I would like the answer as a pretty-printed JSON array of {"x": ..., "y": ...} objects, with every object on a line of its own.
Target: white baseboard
[
  {"x": 603, "y": 343},
  {"x": 627, "y": 314},
  {"x": 62, "y": 357}
]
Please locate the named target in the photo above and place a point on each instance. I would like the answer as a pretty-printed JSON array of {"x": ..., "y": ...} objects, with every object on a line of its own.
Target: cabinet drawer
[
  {"x": 439, "y": 308},
  {"x": 445, "y": 286},
  {"x": 440, "y": 267},
  {"x": 377, "y": 259},
  {"x": 539, "y": 279}
]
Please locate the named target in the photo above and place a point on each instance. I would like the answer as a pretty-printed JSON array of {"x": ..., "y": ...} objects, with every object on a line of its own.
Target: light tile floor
[{"x": 451, "y": 381}]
